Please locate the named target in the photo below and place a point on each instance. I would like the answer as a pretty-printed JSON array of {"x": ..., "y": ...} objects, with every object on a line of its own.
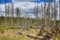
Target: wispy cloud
[
  {"x": 22, "y": 0},
  {"x": 24, "y": 5}
]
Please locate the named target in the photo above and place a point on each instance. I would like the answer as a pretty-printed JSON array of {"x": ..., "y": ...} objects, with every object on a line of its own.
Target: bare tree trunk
[
  {"x": 35, "y": 11},
  {"x": 45, "y": 13},
  {"x": 12, "y": 14},
  {"x": 47, "y": 16},
  {"x": 19, "y": 19},
  {"x": 51, "y": 15},
  {"x": 55, "y": 11},
  {"x": 5, "y": 15},
  {"x": 6, "y": 12},
  {"x": 36, "y": 14},
  {"x": 59, "y": 10},
  {"x": 41, "y": 15}
]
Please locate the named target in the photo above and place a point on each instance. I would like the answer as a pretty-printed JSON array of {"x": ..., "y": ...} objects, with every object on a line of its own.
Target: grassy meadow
[{"x": 9, "y": 30}]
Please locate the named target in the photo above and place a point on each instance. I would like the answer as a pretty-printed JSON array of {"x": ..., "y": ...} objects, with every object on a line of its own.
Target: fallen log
[{"x": 35, "y": 37}]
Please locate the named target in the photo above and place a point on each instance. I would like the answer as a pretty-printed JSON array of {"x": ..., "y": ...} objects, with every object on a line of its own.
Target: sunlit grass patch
[
  {"x": 55, "y": 38},
  {"x": 32, "y": 31},
  {"x": 5, "y": 38}
]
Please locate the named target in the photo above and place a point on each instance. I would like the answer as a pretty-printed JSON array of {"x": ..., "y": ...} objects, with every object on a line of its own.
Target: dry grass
[{"x": 12, "y": 34}]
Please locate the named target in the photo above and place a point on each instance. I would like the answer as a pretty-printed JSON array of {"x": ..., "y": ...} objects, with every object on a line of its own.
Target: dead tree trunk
[
  {"x": 5, "y": 15},
  {"x": 36, "y": 12},
  {"x": 45, "y": 12},
  {"x": 18, "y": 14},
  {"x": 55, "y": 11},
  {"x": 12, "y": 14},
  {"x": 47, "y": 15}
]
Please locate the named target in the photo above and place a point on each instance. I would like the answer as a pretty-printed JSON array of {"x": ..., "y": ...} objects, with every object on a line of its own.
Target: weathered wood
[
  {"x": 20, "y": 33},
  {"x": 35, "y": 37}
]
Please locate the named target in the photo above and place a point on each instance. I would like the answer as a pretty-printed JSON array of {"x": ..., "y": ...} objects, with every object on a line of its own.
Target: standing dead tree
[
  {"x": 18, "y": 16},
  {"x": 55, "y": 13},
  {"x": 12, "y": 14},
  {"x": 48, "y": 15},
  {"x": 42, "y": 15},
  {"x": 5, "y": 14},
  {"x": 36, "y": 13},
  {"x": 45, "y": 12}
]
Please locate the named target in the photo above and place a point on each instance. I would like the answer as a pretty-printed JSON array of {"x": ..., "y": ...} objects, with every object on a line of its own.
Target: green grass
[
  {"x": 22, "y": 21},
  {"x": 5, "y": 38}
]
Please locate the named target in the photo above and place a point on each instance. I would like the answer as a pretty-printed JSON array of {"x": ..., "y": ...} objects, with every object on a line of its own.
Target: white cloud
[
  {"x": 2, "y": 7},
  {"x": 24, "y": 5},
  {"x": 22, "y": 0}
]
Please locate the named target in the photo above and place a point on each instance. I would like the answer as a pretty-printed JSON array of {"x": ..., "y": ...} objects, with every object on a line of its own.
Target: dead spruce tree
[
  {"x": 55, "y": 13},
  {"x": 18, "y": 16}
]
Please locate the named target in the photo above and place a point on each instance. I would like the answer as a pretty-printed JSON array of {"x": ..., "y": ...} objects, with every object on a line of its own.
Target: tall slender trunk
[
  {"x": 45, "y": 12},
  {"x": 55, "y": 11},
  {"x": 12, "y": 14},
  {"x": 5, "y": 15},
  {"x": 59, "y": 9},
  {"x": 48, "y": 19},
  {"x": 7, "y": 10},
  {"x": 41, "y": 15},
  {"x": 35, "y": 12},
  {"x": 51, "y": 15},
  {"x": 37, "y": 15},
  {"x": 47, "y": 15}
]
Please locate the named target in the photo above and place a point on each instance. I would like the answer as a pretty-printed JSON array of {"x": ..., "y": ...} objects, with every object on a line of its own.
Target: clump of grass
[
  {"x": 31, "y": 27},
  {"x": 55, "y": 38},
  {"x": 5, "y": 38}
]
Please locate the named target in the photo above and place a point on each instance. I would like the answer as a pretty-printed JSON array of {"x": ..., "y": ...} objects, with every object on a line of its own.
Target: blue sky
[
  {"x": 5, "y": 1},
  {"x": 25, "y": 5},
  {"x": 9, "y": 1},
  {"x": 38, "y": 1}
]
